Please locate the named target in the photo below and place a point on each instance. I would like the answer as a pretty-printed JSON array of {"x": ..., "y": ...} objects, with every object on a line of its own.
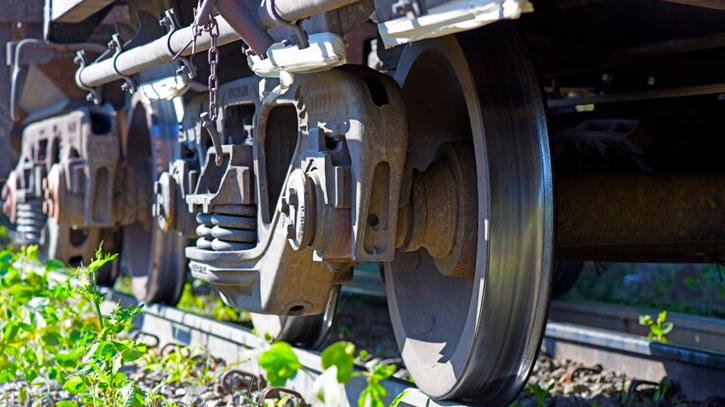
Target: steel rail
[
  {"x": 698, "y": 372},
  {"x": 690, "y": 330}
]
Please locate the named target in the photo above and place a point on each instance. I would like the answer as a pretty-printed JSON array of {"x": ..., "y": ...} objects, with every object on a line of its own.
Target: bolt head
[
  {"x": 292, "y": 198},
  {"x": 284, "y": 206},
  {"x": 290, "y": 230}
]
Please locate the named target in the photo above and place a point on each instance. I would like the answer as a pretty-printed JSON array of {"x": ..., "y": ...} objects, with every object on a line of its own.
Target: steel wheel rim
[
  {"x": 476, "y": 355},
  {"x": 155, "y": 259}
]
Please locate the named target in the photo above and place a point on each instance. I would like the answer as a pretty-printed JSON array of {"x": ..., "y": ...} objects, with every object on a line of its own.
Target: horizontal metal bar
[
  {"x": 648, "y": 216},
  {"x": 636, "y": 96},
  {"x": 711, "y": 4},
  {"x": 293, "y": 10},
  {"x": 675, "y": 46},
  {"x": 240, "y": 21},
  {"x": 155, "y": 53}
]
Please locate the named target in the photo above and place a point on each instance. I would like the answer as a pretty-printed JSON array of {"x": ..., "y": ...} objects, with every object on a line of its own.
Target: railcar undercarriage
[{"x": 268, "y": 147}]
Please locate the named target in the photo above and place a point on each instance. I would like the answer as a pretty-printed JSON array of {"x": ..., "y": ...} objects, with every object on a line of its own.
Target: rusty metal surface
[
  {"x": 657, "y": 216},
  {"x": 343, "y": 158},
  {"x": 68, "y": 164}
]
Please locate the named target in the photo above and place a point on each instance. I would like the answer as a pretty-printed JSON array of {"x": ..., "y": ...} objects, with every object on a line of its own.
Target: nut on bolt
[{"x": 297, "y": 207}]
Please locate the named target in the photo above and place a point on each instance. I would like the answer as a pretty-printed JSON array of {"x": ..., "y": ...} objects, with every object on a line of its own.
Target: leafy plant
[
  {"x": 540, "y": 394},
  {"x": 661, "y": 390},
  {"x": 338, "y": 360},
  {"x": 658, "y": 328},
  {"x": 100, "y": 380},
  {"x": 280, "y": 363},
  {"x": 55, "y": 334}
]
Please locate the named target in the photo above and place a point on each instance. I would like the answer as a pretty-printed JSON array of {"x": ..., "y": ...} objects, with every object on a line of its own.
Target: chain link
[
  {"x": 211, "y": 27},
  {"x": 213, "y": 58}
]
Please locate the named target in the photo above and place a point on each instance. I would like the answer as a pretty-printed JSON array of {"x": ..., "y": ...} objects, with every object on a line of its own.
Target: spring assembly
[
  {"x": 30, "y": 221},
  {"x": 228, "y": 228}
]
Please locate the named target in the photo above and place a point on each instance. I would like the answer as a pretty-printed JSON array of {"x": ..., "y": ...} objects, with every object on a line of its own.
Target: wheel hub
[{"x": 469, "y": 316}]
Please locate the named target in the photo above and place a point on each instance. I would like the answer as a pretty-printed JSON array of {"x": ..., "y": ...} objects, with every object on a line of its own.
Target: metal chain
[
  {"x": 206, "y": 22},
  {"x": 213, "y": 58},
  {"x": 211, "y": 27}
]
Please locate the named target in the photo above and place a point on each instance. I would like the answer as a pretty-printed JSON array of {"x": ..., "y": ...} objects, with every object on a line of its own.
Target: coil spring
[
  {"x": 229, "y": 228},
  {"x": 30, "y": 221}
]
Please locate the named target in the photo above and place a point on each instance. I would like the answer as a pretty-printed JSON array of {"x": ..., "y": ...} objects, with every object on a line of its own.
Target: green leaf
[
  {"x": 8, "y": 372},
  {"x": 74, "y": 385},
  {"x": 10, "y": 331},
  {"x": 52, "y": 264},
  {"x": 280, "y": 363},
  {"x": 66, "y": 403},
  {"x": 645, "y": 320},
  {"x": 667, "y": 327},
  {"x": 383, "y": 371},
  {"x": 26, "y": 327},
  {"x": 340, "y": 354},
  {"x": 69, "y": 360},
  {"x": 377, "y": 389},
  {"x": 656, "y": 330},
  {"x": 105, "y": 351},
  {"x": 369, "y": 398},
  {"x": 661, "y": 317},
  {"x": 398, "y": 398},
  {"x": 132, "y": 396},
  {"x": 119, "y": 379}
]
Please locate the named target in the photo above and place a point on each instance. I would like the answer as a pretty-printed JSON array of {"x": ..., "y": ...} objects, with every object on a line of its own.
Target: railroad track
[{"x": 700, "y": 373}]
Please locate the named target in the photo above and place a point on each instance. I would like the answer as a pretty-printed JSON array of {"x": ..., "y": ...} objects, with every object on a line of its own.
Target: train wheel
[
  {"x": 155, "y": 259},
  {"x": 477, "y": 337},
  {"x": 308, "y": 331}
]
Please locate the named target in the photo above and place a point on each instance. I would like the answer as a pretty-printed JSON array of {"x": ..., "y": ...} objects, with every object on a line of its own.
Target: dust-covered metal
[
  {"x": 351, "y": 171},
  {"x": 614, "y": 216},
  {"x": 74, "y": 160}
]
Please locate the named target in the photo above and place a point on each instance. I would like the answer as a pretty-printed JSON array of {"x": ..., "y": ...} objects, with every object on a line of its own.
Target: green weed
[
  {"x": 540, "y": 394},
  {"x": 659, "y": 328}
]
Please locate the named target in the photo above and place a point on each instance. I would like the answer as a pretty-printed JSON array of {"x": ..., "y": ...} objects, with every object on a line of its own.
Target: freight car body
[{"x": 270, "y": 146}]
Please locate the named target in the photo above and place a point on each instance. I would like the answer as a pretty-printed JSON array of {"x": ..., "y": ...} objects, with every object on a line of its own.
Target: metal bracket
[
  {"x": 93, "y": 95},
  {"x": 407, "y": 8},
  {"x": 273, "y": 20},
  {"x": 171, "y": 23},
  {"x": 116, "y": 44}
]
